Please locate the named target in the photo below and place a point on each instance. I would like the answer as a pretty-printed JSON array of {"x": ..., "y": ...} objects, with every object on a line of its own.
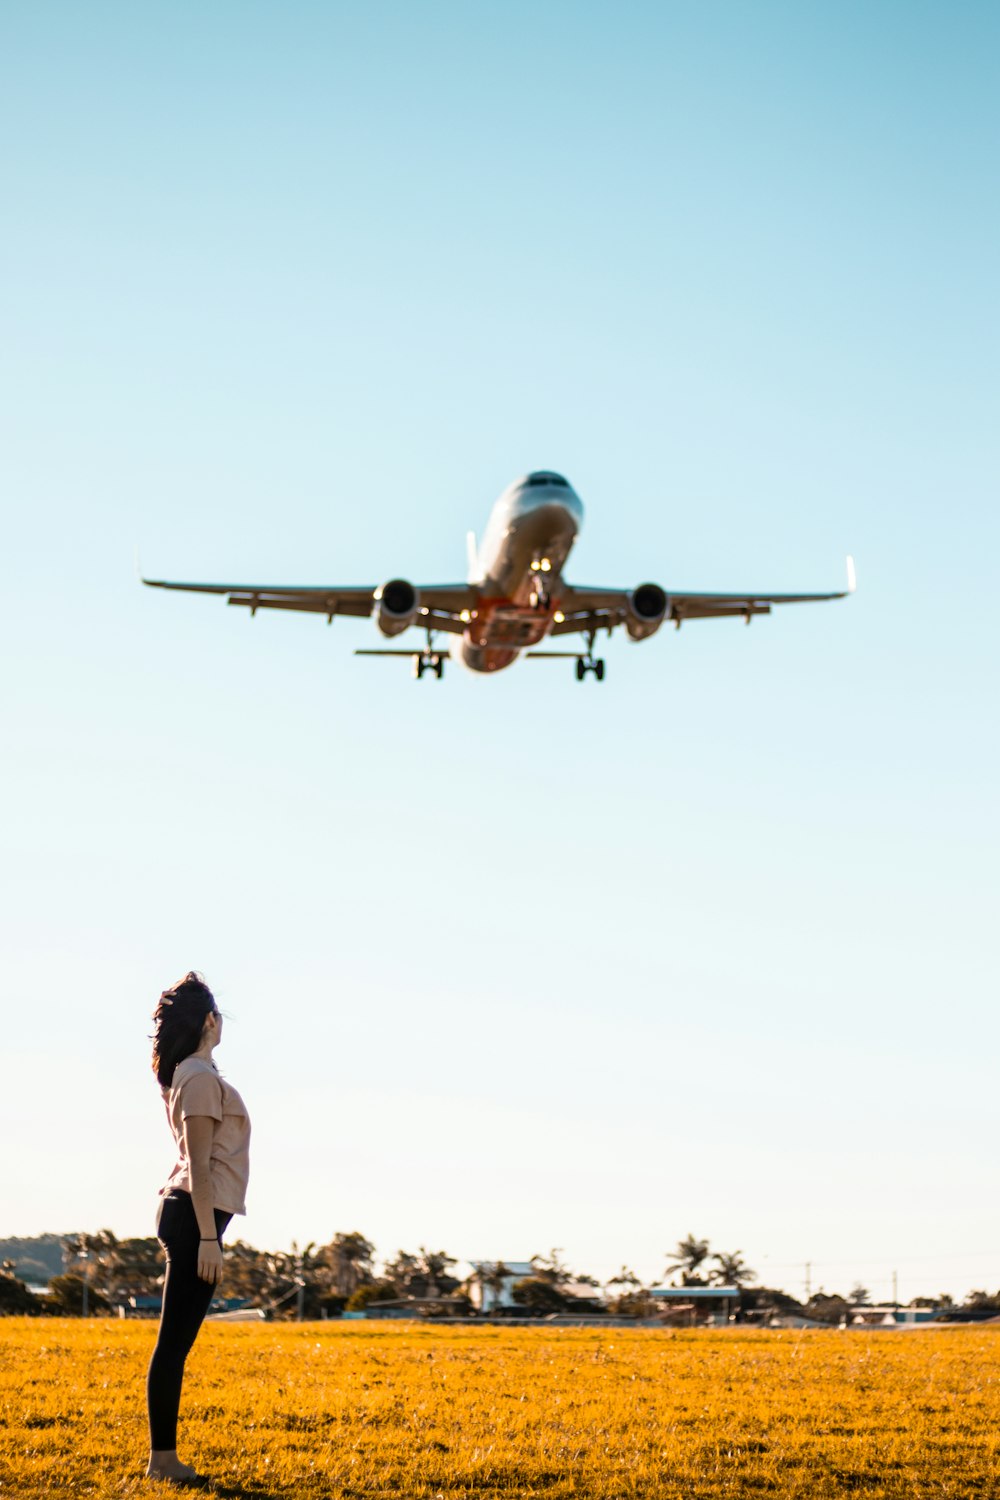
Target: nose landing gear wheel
[{"x": 581, "y": 670}]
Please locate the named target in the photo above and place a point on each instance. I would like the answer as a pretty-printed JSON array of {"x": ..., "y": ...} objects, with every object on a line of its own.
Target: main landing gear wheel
[
  {"x": 429, "y": 659},
  {"x": 588, "y": 663},
  {"x": 428, "y": 662}
]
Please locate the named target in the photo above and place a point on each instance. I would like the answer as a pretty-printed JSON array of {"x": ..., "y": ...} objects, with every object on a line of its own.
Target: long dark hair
[{"x": 179, "y": 1018}]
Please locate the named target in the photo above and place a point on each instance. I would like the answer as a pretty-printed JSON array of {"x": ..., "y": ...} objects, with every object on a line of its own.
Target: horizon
[{"x": 837, "y": 1286}]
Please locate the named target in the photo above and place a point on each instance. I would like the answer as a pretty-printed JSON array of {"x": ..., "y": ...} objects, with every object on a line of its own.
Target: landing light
[
  {"x": 545, "y": 565},
  {"x": 425, "y": 610},
  {"x": 558, "y": 617},
  {"x": 465, "y": 616}
]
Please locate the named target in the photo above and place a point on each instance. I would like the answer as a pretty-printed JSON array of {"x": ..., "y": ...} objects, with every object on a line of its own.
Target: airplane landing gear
[
  {"x": 429, "y": 660},
  {"x": 589, "y": 662}
]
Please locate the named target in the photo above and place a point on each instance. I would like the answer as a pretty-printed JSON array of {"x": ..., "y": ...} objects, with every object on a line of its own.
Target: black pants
[{"x": 185, "y": 1302}]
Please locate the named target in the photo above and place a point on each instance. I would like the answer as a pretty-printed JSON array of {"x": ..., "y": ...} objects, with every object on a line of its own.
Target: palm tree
[
  {"x": 690, "y": 1254},
  {"x": 302, "y": 1274},
  {"x": 125, "y": 1268},
  {"x": 350, "y": 1259},
  {"x": 731, "y": 1270},
  {"x": 252, "y": 1273},
  {"x": 625, "y": 1278},
  {"x": 551, "y": 1268},
  {"x": 403, "y": 1270},
  {"x": 434, "y": 1264}
]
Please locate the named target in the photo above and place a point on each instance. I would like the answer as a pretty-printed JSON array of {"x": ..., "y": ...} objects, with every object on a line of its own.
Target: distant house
[
  {"x": 891, "y": 1317},
  {"x": 486, "y": 1298},
  {"x": 583, "y": 1290},
  {"x": 711, "y": 1306}
]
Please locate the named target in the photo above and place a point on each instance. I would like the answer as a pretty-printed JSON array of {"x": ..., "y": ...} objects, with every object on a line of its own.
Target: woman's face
[{"x": 212, "y": 1033}]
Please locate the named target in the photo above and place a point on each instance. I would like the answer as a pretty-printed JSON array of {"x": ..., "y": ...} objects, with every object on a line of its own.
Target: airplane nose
[{"x": 563, "y": 501}]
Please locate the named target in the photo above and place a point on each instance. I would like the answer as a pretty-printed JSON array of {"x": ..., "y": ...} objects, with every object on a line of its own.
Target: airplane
[{"x": 515, "y": 595}]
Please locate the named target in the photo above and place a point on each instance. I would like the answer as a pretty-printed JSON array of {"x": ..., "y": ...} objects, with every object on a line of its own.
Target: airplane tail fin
[{"x": 472, "y": 554}]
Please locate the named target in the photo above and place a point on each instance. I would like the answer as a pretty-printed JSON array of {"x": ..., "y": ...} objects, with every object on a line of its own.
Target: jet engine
[
  {"x": 396, "y": 606},
  {"x": 647, "y": 610}
]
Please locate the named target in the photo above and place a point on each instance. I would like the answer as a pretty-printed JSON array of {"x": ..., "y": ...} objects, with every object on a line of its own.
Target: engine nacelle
[
  {"x": 396, "y": 606},
  {"x": 647, "y": 610}
]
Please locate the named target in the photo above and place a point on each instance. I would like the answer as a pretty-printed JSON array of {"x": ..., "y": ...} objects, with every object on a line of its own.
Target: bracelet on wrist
[{"x": 212, "y": 1239}]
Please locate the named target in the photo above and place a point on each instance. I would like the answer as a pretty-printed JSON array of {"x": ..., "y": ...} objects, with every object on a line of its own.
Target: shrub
[
  {"x": 372, "y": 1291},
  {"x": 637, "y": 1304},
  {"x": 537, "y": 1295},
  {"x": 66, "y": 1296},
  {"x": 15, "y": 1297}
]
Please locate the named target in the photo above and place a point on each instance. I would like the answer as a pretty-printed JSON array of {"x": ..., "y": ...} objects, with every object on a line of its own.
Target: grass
[{"x": 411, "y": 1412}]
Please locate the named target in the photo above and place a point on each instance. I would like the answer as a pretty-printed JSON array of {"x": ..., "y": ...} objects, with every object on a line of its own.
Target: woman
[{"x": 207, "y": 1186}]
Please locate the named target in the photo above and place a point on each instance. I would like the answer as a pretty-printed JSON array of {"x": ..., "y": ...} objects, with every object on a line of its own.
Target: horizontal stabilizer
[{"x": 419, "y": 651}]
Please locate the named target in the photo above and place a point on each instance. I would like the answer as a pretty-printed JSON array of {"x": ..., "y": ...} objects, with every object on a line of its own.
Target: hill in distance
[{"x": 37, "y": 1259}]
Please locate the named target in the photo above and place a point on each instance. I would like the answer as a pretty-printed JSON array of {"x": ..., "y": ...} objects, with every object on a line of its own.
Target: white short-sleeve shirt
[{"x": 199, "y": 1089}]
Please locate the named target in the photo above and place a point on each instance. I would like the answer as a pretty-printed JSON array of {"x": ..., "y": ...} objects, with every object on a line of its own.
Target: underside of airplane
[{"x": 514, "y": 598}]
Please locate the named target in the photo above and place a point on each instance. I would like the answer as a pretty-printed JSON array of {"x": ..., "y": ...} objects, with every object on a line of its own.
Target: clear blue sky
[{"x": 290, "y": 294}]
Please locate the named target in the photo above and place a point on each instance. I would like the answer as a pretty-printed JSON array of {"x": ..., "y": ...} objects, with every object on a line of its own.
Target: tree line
[{"x": 99, "y": 1272}]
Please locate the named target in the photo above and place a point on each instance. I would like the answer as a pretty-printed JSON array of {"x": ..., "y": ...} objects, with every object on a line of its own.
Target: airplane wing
[
  {"x": 443, "y": 602},
  {"x": 598, "y": 609}
]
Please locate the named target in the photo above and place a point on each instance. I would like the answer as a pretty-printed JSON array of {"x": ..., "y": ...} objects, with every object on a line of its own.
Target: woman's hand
[{"x": 210, "y": 1261}]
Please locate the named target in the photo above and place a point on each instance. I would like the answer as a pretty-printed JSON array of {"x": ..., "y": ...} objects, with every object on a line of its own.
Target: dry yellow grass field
[{"x": 395, "y": 1410}]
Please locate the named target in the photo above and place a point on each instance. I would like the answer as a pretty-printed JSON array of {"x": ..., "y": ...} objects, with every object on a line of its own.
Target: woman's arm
[{"x": 199, "y": 1132}]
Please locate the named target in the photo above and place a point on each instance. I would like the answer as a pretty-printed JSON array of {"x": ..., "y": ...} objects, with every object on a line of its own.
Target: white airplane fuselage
[{"x": 521, "y": 558}]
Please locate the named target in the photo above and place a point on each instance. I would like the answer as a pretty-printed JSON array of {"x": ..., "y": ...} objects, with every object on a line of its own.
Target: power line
[{"x": 875, "y": 1260}]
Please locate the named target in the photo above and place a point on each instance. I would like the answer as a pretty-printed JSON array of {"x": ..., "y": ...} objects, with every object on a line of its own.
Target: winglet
[
  {"x": 472, "y": 554},
  {"x": 852, "y": 577}
]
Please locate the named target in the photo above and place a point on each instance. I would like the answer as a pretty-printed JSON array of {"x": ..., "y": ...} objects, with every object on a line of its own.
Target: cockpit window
[{"x": 555, "y": 479}]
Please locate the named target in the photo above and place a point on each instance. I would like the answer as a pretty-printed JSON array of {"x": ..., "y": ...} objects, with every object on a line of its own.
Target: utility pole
[
  {"x": 895, "y": 1288},
  {"x": 808, "y": 1279}
]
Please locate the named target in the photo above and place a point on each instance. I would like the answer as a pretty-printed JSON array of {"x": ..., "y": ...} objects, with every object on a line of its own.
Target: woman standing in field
[{"x": 209, "y": 1123}]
